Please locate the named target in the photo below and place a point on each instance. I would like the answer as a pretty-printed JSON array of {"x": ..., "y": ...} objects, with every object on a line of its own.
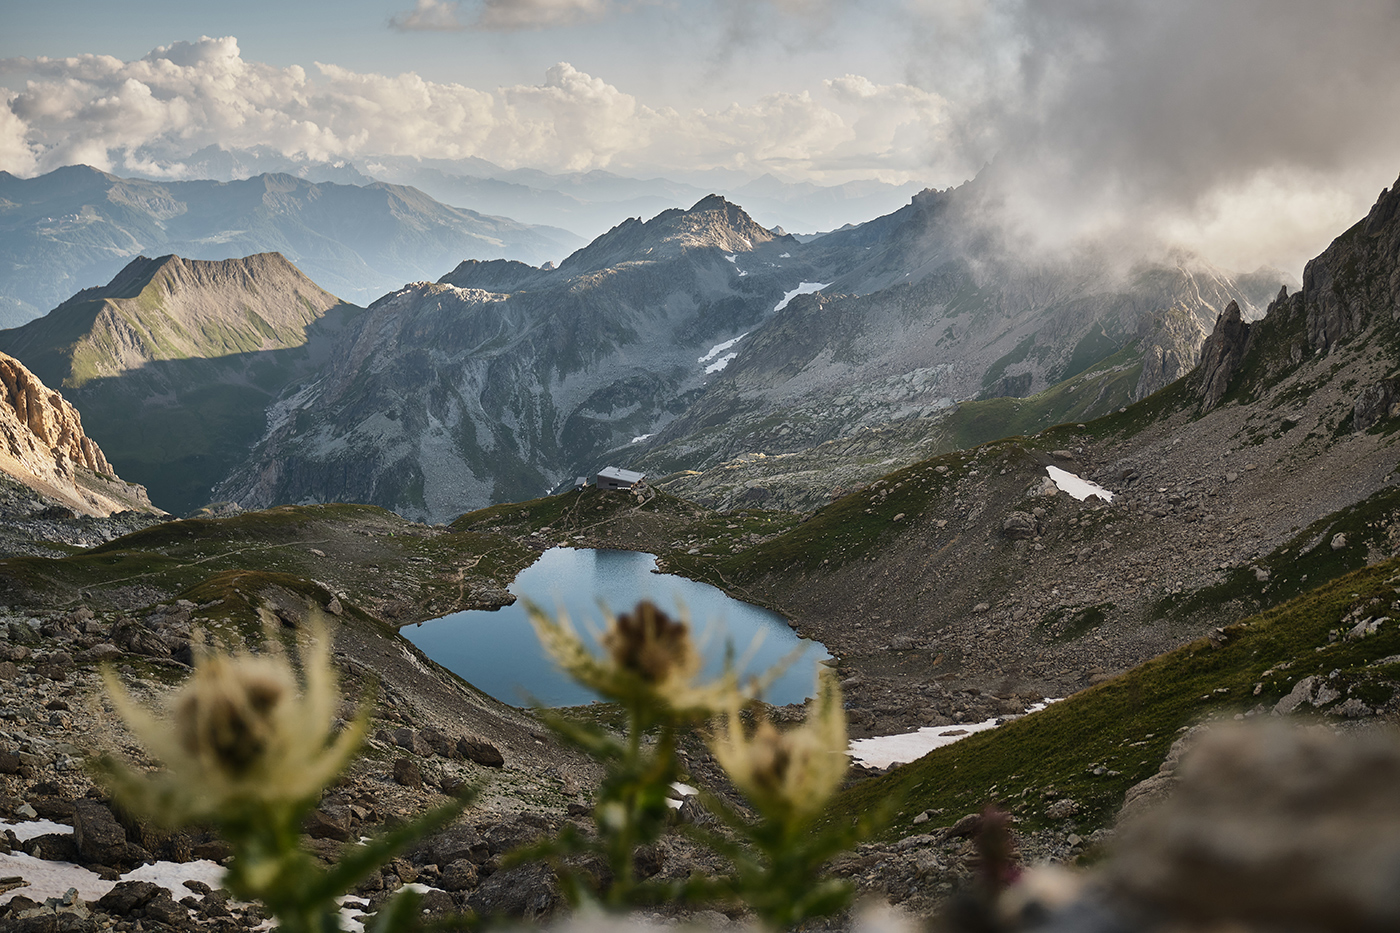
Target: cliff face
[
  {"x": 1357, "y": 279},
  {"x": 1350, "y": 295},
  {"x": 42, "y": 444}
]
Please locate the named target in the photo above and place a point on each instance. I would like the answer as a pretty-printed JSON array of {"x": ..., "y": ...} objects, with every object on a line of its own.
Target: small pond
[{"x": 497, "y": 651}]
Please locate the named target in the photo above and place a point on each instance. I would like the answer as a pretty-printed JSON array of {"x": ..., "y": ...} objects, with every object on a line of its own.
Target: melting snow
[
  {"x": 803, "y": 288},
  {"x": 53, "y": 879},
  {"x": 674, "y": 800},
  {"x": 719, "y": 348},
  {"x": 34, "y": 828},
  {"x": 885, "y": 750},
  {"x": 1076, "y": 486},
  {"x": 720, "y": 363}
]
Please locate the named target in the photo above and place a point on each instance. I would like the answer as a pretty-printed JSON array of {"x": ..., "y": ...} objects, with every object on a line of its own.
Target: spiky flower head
[
  {"x": 239, "y": 734},
  {"x": 787, "y": 775},
  {"x": 651, "y": 645},
  {"x": 651, "y": 660}
]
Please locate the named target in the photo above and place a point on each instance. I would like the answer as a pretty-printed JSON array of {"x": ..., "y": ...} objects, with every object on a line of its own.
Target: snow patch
[
  {"x": 719, "y": 348},
  {"x": 642, "y": 437},
  {"x": 53, "y": 879},
  {"x": 32, "y": 828},
  {"x": 734, "y": 258},
  {"x": 679, "y": 792},
  {"x": 1077, "y": 486},
  {"x": 785, "y": 256},
  {"x": 882, "y": 751},
  {"x": 720, "y": 363},
  {"x": 803, "y": 288}
]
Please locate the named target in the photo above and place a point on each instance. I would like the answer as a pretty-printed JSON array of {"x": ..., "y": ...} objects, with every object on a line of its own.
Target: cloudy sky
[{"x": 1253, "y": 130}]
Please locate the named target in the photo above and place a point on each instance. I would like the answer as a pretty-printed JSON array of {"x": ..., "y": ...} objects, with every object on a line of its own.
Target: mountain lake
[{"x": 497, "y": 651}]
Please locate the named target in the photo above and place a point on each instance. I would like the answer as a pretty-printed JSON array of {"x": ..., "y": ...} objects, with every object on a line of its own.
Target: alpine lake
[{"x": 497, "y": 650}]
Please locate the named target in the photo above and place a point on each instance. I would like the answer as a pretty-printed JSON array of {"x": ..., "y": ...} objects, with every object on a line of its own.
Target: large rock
[
  {"x": 480, "y": 751},
  {"x": 527, "y": 892},
  {"x": 98, "y": 835},
  {"x": 1019, "y": 526},
  {"x": 1271, "y": 827}
]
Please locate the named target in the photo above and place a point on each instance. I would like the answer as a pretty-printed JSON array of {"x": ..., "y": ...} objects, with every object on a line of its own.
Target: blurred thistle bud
[
  {"x": 651, "y": 662},
  {"x": 651, "y": 645},
  {"x": 238, "y": 734},
  {"x": 787, "y": 775}
]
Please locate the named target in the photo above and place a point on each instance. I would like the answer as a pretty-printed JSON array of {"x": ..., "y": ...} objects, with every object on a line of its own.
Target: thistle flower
[
  {"x": 651, "y": 661},
  {"x": 787, "y": 775},
  {"x": 239, "y": 735}
]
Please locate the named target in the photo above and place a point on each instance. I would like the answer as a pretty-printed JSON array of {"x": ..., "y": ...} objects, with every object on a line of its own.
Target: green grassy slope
[{"x": 1096, "y": 744}]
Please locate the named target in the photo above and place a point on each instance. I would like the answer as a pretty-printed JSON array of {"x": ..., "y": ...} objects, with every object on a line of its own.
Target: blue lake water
[{"x": 497, "y": 650}]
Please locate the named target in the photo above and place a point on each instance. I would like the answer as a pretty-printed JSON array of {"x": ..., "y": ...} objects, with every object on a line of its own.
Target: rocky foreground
[{"x": 1322, "y": 797}]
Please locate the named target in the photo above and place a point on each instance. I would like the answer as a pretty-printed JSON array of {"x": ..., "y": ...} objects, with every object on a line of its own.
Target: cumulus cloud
[
  {"x": 16, "y": 156},
  {"x": 148, "y": 114}
]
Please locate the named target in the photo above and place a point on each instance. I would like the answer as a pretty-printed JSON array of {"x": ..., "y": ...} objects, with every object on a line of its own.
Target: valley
[{"x": 859, "y": 465}]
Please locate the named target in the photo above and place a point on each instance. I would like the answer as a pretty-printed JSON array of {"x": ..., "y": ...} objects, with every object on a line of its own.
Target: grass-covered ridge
[
  {"x": 391, "y": 567},
  {"x": 1096, "y": 744}
]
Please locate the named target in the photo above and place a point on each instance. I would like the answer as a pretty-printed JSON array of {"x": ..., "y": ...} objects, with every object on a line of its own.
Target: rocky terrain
[
  {"x": 43, "y": 447},
  {"x": 1244, "y": 566},
  {"x": 972, "y": 570}
]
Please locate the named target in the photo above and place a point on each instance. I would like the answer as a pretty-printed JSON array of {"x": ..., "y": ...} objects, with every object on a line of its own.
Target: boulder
[
  {"x": 1019, "y": 526},
  {"x": 323, "y": 824},
  {"x": 481, "y": 752},
  {"x": 99, "y": 837},
  {"x": 527, "y": 892},
  {"x": 1270, "y": 827},
  {"x": 458, "y": 875},
  {"x": 407, "y": 773}
]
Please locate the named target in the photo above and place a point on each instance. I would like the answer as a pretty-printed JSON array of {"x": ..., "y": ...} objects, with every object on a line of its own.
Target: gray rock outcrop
[
  {"x": 1357, "y": 279},
  {"x": 1221, "y": 356}
]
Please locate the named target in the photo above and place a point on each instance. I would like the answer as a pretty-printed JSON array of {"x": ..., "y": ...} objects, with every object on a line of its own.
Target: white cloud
[
  {"x": 153, "y": 112},
  {"x": 539, "y": 14},
  {"x": 428, "y": 16},
  {"x": 1243, "y": 128},
  {"x": 15, "y": 154}
]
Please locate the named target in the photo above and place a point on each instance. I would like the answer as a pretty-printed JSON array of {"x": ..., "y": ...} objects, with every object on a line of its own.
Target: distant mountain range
[
  {"x": 76, "y": 227},
  {"x": 670, "y": 344},
  {"x": 586, "y": 203}
]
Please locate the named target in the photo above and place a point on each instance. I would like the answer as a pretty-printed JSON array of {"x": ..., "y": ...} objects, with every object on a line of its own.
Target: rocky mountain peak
[
  {"x": 1221, "y": 355},
  {"x": 1357, "y": 278},
  {"x": 42, "y": 444},
  {"x": 170, "y": 308},
  {"x": 713, "y": 223},
  {"x": 494, "y": 275}
]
